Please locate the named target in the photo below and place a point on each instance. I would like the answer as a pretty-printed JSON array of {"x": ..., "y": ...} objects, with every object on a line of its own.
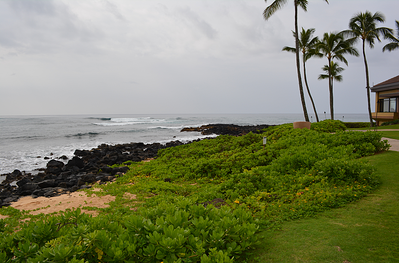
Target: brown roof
[
  {"x": 388, "y": 84},
  {"x": 389, "y": 81}
]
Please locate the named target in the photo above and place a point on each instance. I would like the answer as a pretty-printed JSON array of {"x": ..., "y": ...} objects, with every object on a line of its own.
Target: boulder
[
  {"x": 27, "y": 189},
  {"x": 13, "y": 176},
  {"x": 87, "y": 178},
  {"x": 75, "y": 161},
  {"x": 23, "y": 181},
  {"x": 47, "y": 183},
  {"x": 64, "y": 157},
  {"x": 54, "y": 167}
]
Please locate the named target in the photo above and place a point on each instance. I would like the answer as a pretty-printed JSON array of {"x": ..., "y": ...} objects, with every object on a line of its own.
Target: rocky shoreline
[
  {"x": 89, "y": 166},
  {"x": 227, "y": 129}
]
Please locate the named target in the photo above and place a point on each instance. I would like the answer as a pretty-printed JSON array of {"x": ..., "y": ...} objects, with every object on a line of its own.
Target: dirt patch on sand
[{"x": 60, "y": 203}]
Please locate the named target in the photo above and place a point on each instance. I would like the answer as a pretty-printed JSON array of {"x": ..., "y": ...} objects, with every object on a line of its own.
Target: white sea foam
[
  {"x": 186, "y": 139},
  {"x": 167, "y": 127},
  {"x": 129, "y": 121}
]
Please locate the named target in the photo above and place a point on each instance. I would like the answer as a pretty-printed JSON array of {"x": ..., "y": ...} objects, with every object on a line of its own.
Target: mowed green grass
[
  {"x": 390, "y": 134},
  {"x": 395, "y": 126},
  {"x": 364, "y": 231}
]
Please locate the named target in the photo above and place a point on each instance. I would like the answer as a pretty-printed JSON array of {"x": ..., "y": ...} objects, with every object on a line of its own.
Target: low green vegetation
[
  {"x": 390, "y": 123},
  {"x": 363, "y": 231},
  {"x": 205, "y": 201},
  {"x": 388, "y": 127},
  {"x": 362, "y": 125},
  {"x": 390, "y": 134},
  {"x": 393, "y": 126}
]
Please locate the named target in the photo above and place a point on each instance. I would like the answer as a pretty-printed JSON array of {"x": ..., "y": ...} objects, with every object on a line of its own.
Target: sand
[{"x": 60, "y": 203}]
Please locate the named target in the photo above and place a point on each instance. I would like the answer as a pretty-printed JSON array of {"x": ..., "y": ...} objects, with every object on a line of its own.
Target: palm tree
[
  {"x": 307, "y": 46},
  {"x": 269, "y": 11},
  {"x": 332, "y": 74},
  {"x": 394, "y": 40},
  {"x": 334, "y": 46},
  {"x": 364, "y": 26}
]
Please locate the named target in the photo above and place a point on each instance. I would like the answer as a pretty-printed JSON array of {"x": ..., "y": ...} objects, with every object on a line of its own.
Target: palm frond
[
  {"x": 394, "y": 40},
  {"x": 289, "y": 49},
  {"x": 379, "y": 17},
  {"x": 273, "y": 8},
  {"x": 338, "y": 78},
  {"x": 323, "y": 76},
  {"x": 391, "y": 46},
  {"x": 303, "y": 4}
]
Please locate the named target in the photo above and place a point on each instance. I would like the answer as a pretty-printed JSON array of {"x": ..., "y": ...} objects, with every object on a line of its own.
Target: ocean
[{"x": 28, "y": 142}]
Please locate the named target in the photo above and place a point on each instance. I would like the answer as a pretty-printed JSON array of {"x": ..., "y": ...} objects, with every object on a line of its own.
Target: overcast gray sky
[{"x": 174, "y": 56}]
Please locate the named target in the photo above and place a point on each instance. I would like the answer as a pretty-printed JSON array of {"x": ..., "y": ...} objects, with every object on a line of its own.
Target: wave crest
[{"x": 129, "y": 121}]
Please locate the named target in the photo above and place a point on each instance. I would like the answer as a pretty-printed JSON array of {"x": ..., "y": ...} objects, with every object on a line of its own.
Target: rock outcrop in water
[
  {"x": 227, "y": 129},
  {"x": 89, "y": 166}
]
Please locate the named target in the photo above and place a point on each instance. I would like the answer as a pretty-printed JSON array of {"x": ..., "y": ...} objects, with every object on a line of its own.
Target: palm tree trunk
[
  {"x": 330, "y": 87},
  {"x": 305, "y": 112},
  {"x": 367, "y": 83},
  {"x": 307, "y": 87}
]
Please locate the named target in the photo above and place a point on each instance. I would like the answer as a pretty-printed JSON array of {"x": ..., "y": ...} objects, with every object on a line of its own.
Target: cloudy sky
[{"x": 174, "y": 56}]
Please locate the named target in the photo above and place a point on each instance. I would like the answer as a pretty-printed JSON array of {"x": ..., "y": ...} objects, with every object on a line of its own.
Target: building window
[{"x": 388, "y": 105}]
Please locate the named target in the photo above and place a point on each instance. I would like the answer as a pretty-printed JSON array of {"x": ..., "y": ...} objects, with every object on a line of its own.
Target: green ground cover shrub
[
  {"x": 328, "y": 126},
  {"x": 390, "y": 123},
  {"x": 298, "y": 173},
  {"x": 351, "y": 125},
  {"x": 179, "y": 232}
]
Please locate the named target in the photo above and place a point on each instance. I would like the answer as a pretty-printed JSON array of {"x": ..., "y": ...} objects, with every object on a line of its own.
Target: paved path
[{"x": 394, "y": 144}]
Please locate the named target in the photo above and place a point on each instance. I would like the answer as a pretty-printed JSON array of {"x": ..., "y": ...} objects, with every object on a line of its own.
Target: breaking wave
[{"x": 129, "y": 121}]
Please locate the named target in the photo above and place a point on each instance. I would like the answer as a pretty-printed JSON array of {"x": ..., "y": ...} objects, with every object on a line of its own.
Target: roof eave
[{"x": 385, "y": 87}]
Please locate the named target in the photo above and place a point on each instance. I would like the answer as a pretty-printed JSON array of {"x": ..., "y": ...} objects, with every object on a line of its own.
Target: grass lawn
[
  {"x": 391, "y": 134},
  {"x": 395, "y": 126},
  {"x": 364, "y": 231}
]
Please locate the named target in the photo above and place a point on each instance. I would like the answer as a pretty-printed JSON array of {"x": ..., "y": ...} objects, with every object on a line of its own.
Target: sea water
[{"x": 28, "y": 142}]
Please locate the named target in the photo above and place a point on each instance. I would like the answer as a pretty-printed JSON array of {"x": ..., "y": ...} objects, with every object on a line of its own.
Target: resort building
[{"x": 386, "y": 100}]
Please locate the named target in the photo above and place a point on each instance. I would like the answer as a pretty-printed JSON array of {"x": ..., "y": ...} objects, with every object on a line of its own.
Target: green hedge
[
  {"x": 390, "y": 123},
  {"x": 358, "y": 124},
  {"x": 328, "y": 126}
]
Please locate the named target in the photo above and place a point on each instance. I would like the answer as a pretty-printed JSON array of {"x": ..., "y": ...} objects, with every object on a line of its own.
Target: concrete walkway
[{"x": 394, "y": 144}]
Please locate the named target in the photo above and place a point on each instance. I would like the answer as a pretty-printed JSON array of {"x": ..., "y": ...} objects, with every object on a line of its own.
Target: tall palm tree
[
  {"x": 269, "y": 11},
  {"x": 332, "y": 73},
  {"x": 364, "y": 26},
  {"x": 335, "y": 46},
  {"x": 394, "y": 40},
  {"x": 307, "y": 46}
]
